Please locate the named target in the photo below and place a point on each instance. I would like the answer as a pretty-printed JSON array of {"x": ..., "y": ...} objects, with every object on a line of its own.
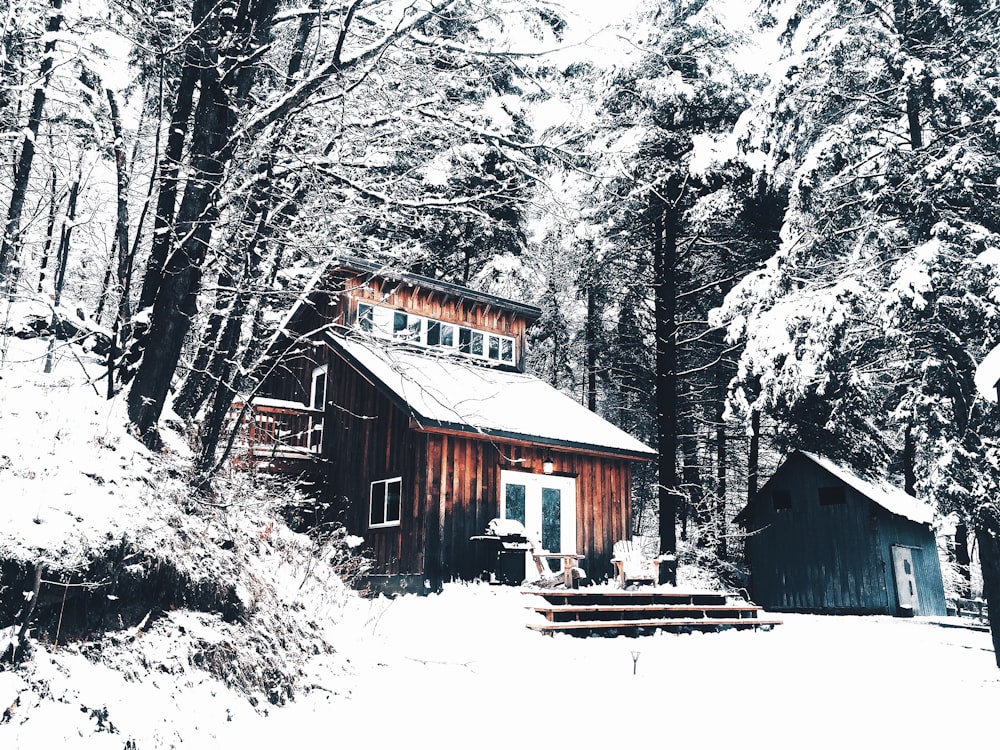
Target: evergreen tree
[{"x": 866, "y": 326}]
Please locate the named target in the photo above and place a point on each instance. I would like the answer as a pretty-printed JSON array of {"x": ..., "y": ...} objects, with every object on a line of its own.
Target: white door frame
[
  {"x": 534, "y": 487},
  {"x": 905, "y": 575}
]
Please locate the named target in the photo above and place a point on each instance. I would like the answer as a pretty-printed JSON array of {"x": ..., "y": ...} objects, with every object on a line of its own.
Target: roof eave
[
  {"x": 357, "y": 265},
  {"x": 457, "y": 428}
]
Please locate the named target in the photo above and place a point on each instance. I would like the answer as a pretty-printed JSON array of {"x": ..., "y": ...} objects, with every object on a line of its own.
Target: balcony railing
[{"x": 281, "y": 429}]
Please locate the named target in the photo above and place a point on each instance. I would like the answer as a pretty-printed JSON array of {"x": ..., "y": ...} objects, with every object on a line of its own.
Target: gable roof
[
  {"x": 883, "y": 494},
  {"x": 443, "y": 392}
]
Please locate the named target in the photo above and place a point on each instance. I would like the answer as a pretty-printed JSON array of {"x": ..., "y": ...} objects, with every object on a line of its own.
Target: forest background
[{"x": 750, "y": 227}]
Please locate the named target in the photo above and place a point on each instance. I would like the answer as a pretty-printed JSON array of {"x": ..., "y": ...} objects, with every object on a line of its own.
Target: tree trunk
[
  {"x": 962, "y": 558},
  {"x": 62, "y": 260},
  {"x": 50, "y": 228},
  {"x": 909, "y": 461},
  {"x": 11, "y": 241},
  {"x": 988, "y": 537},
  {"x": 65, "y": 237},
  {"x": 211, "y": 149},
  {"x": 665, "y": 301},
  {"x": 593, "y": 321},
  {"x": 691, "y": 501},
  {"x": 124, "y": 277},
  {"x": 753, "y": 456},
  {"x": 166, "y": 201},
  {"x": 196, "y": 387},
  {"x": 176, "y": 301},
  {"x": 904, "y": 18},
  {"x": 753, "y": 474},
  {"x": 721, "y": 459}
]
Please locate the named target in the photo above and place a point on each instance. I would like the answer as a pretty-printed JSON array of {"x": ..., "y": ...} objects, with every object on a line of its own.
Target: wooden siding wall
[
  {"x": 367, "y": 439},
  {"x": 824, "y": 558},
  {"x": 450, "y": 485},
  {"x": 291, "y": 380},
  {"x": 926, "y": 563}
]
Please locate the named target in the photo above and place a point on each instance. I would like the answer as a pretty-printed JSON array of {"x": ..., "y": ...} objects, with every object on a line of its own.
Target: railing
[{"x": 281, "y": 429}]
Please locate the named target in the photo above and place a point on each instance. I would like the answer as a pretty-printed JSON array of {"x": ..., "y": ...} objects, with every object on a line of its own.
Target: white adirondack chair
[{"x": 632, "y": 563}]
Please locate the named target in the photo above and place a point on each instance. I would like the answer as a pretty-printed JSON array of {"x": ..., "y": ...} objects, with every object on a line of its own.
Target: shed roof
[
  {"x": 887, "y": 496},
  {"x": 445, "y": 392}
]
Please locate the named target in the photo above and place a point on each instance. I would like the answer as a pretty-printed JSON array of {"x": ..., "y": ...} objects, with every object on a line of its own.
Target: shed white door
[
  {"x": 545, "y": 504},
  {"x": 906, "y": 578}
]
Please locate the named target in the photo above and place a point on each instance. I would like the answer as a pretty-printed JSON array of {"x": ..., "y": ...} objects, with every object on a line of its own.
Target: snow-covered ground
[
  {"x": 453, "y": 670},
  {"x": 460, "y": 669}
]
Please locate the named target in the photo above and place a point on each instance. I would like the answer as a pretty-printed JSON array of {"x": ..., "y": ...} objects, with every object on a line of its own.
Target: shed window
[
  {"x": 832, "y": 496},
  {"x": 782, "y": 499},
  {"x": 385, "y": 494}
]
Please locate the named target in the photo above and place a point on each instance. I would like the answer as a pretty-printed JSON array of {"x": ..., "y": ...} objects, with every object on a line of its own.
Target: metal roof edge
[
  {"x": 428, "y": 425},
  {"x": 350, "y": 263}
]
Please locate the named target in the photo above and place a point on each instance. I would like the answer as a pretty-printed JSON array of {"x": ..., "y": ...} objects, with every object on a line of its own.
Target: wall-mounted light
[{"x": 547, "y": 464}]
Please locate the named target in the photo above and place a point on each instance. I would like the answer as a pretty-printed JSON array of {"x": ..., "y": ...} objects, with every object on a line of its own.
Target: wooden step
[
  {"x": 566, "y": 612},
  {"x": 715, "y": 623},
  {"x": 626, "y": 597}
]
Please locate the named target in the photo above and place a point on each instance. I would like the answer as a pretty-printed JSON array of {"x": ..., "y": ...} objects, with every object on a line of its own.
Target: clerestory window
[{"x": 387, "y": 323}]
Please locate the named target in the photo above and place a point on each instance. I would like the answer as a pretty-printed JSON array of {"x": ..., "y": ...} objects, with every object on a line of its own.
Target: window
[
  {"x": 515, "y": 503},
  {"x": 832, "y": 496},
  {"x": 782, "y": 499},
  {"x": 447, "y": 335},
  {"x": 366, "y": 319},
  {"x": 384, "y": 509},
  {"x": 507, "y": 350},
  {"x": 406, "y": 327},
  {"x": 317, "y": 398},
  {"x": 389, "y": 323}
]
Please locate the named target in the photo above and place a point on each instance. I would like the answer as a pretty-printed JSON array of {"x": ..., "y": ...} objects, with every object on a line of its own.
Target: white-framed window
[
  {"x": 317, "y": 393},
  {"x": 389, "y": 323},
  {"x": 384, "y": 502}
]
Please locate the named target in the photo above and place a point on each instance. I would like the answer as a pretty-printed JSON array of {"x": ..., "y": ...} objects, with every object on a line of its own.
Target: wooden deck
[{"x": 582, "y": 612}]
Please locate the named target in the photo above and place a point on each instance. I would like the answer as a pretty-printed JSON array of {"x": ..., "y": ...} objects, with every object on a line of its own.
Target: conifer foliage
[{"x": 863, "y": 332}]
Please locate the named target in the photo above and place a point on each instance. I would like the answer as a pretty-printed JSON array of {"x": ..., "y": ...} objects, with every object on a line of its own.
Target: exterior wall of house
[
  {"x": 832, "y": 558},
  {"x": 450, "y": 485},
  {"x": 432, "y": 304},
  {"x": 450, "y": 482}
]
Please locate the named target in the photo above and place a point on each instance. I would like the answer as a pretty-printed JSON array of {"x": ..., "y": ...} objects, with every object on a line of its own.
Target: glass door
[{"x": 545, "y": 504}]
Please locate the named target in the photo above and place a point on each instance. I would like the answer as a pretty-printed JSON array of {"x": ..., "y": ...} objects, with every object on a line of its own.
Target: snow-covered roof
[
  {"x": 893, "y": 499},
  {"x": 447, "y": 392}
]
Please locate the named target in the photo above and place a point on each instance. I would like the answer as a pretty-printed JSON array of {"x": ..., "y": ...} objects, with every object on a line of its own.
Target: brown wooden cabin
[
  {"x": 823, "y": 539},
  {"x": 406, "y": 401}
]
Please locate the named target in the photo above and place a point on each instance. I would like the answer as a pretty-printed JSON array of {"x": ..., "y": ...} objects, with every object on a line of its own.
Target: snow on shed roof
[
  {"x": 891, "y": 498},
  {"x": 445, "y": 392}
]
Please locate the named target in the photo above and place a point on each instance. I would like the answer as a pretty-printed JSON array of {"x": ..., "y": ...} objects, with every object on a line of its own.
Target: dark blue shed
[{"x": 823, "y": 539}]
